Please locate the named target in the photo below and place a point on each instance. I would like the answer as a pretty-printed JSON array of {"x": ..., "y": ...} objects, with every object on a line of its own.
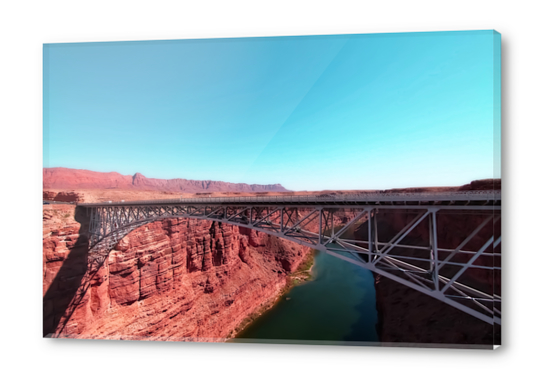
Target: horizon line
[{"x": 257, "y": 184}]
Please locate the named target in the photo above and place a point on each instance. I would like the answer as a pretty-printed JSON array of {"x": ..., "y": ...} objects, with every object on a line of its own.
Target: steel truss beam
[{"x": 447, "y": 274}]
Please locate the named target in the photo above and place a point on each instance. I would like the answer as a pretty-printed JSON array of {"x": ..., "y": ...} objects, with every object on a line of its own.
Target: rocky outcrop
[
  {"x": 176, "y": 279},
  {"x": 64, "y": 196},
  {"x": 475, "y": 185},
  {"x": 64, "y": 261},
  {"x": 66, "y": 178},
  {"x": 482, "y": 185}
]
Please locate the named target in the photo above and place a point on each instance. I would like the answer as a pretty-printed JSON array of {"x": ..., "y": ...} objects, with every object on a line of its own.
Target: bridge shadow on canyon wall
[{"x": 60, "y": 295}]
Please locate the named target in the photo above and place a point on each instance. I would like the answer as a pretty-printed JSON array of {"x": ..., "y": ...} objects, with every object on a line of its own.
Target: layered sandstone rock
[
  {"x": 64, "y": 261},
  {"x": 192, "y": 280},
  {"x": 60, "y": 177},
  {"x": 64, "y": 196},
  {"x": 175, "y": 279}
]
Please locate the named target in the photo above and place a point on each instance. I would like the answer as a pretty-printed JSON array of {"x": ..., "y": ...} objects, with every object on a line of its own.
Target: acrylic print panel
[{"x": 340, "y": 189}]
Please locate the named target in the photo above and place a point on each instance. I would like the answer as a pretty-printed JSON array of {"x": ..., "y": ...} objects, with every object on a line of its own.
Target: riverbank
[
  {"x": 284, "y": 317},
  {"x": 336, "y": 307},
  {"x": 302, "y": 274}
]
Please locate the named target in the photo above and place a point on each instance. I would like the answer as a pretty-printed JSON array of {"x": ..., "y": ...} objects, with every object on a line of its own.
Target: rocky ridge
[{"x": 66, "y": 178}]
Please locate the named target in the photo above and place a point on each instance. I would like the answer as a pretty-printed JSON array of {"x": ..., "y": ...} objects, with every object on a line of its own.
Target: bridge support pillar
[{"x": 434, "y": 248}]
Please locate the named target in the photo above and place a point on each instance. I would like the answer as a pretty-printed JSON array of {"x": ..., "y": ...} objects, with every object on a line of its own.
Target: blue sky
[{"x": 370, "y": 111}]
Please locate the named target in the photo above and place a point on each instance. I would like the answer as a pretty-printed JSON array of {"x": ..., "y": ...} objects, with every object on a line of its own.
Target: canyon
[
  {"x": 176, "y": 279},
  {"x": 190, "y": 280}
]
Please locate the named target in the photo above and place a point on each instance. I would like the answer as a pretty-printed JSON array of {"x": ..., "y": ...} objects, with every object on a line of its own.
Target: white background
[{"x": 26, "y": 25}]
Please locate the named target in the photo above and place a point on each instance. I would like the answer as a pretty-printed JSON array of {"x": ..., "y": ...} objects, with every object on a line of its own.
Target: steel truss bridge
[{"x": 464, "y": 274}]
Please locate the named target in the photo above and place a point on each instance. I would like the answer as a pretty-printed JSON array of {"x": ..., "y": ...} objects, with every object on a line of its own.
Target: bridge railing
[{"x": 324, "y": 199}]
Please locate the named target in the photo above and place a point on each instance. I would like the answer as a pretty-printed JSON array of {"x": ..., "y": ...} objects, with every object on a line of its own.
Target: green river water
[{"x": 336, "y": 307}]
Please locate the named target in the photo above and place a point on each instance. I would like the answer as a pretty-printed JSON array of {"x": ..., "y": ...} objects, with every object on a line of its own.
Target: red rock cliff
[
  {"x": 67, "y": 178},
  {"x": 176, "y": 279},
  {"x": 64, "y": 196}
]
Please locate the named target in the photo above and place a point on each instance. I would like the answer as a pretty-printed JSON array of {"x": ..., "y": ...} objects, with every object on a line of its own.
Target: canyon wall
[
  {"x": 66, "y": 178},
  {"x": 64, "y": 196},
  {"x": 408, "y": 316},
  {"x": 176, "y": 279},
  {"x": 182, "y": 279}
]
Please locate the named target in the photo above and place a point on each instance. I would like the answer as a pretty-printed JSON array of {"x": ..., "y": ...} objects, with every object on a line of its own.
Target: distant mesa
[
  {"x": 475, "y": 185},
  {"x": 63, "y": 178}
]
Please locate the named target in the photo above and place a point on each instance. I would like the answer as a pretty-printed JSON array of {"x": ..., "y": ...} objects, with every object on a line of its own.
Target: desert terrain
[{"x": 193, "y": 280}]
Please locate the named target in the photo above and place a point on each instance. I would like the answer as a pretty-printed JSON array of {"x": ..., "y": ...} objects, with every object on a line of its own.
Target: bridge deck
[{"x": 448, "y": 199}]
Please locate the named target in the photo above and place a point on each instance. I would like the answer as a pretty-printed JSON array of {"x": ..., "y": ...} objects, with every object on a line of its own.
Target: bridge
[{"x": 395, "y": 235}]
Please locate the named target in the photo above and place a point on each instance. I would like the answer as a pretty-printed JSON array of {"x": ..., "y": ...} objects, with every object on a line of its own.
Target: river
[{"x": 337, "y": 306}]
